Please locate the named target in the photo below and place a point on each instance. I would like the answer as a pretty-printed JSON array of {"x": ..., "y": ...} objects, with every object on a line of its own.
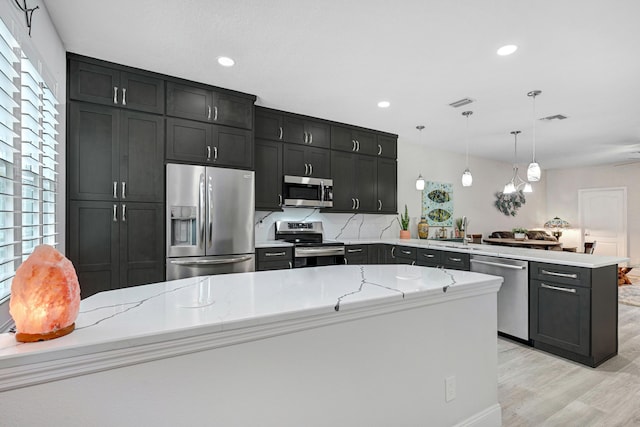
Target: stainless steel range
[{"x": 310, "y": 248}]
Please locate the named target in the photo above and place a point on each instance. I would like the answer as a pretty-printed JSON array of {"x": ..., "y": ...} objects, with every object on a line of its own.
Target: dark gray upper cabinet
[
  {"x": 269, "y": 160},
  {"x": 387, "y": 146},
  {"x": 353, "y": 139},
  {"x": 116, "y": 87},
  {"x": 354, "y": 182},
  {"x": 302, "y": 160},
  {"x": 115, "y": 154},
  {"x": 387, "y": 189},
  {"x": 203, "y": 104},
  {"x": 306, "y": 131},
  {"x": 269, "y": 125},
  {"x": 197, "y": 142}
]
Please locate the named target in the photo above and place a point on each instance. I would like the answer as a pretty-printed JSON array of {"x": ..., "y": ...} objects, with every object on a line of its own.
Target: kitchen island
[{"x": 339, "y": 345}]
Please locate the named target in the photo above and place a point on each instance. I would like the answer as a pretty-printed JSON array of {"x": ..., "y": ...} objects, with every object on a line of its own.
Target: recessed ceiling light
[
  {"x": 384, "y": 104},
  {"x": 507, "y": 50},
  {"x": 225, "y": 61}
]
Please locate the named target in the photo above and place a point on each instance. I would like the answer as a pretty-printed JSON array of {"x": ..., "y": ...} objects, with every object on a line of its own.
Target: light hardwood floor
[{"x": 538, "y": 389}]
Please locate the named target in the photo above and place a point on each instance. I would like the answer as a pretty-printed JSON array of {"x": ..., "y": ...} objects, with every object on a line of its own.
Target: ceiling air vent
[
  {"x": 460, "y": 103},
  {"x": 555, "y": 117}
]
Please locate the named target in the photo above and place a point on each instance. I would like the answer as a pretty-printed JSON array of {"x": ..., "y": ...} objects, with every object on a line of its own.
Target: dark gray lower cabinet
[
  {"x": 427, "y": 257},
  {"x": 574, "y": 311},
  {"x": 115, "y": 245},
  {"x": 274, "y": 258},
  {"x": 356, "y": 254},
  {"x": 405, "y": 255}
]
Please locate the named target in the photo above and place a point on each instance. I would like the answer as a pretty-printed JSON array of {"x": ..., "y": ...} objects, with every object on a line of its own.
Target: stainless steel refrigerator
[{"x": 210, "y": 228}]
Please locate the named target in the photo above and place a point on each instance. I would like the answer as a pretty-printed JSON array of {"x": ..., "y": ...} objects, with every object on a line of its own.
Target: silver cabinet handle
[
  {"x": 353, "y": 142},
  {"x": 393, "y": 252},
  {"x": 202, "y": 210},
  {"x": 115, "y": 189},
  {"x": 499, "y": 264},
  {"x": 283, "y": 253},
  {"x": 379, "y": 205},
  {"x": 115, "y": 213},
  {"x": 428, "y": 255},
  {"x": 208, "y": 112},
  {"x": 357, "y": 203},
  {"x": 115, "y": 94},
  {"x": 567, "y": 275},
  {"x": 290, "y": 264},
  {"x": 215, "y": 114},
  {"x": 124, "y": 190},
  {"x": 557, "y": 288},
  {"x": 231, "y": 260},
  {"x": 413, "y": 263},
  {"x": 124, "y": 212},
  {"x": 353, "y": 251},
  {"x": 124, "y": 96},
  {"x": 353, "y": 203},
  {"x": 281, "y": 133},
  {"x": 208, "y": 152},
  {"x": 306, "y": 138},
  {"x": 306, "y": 169},
  {"x": 215, "y": 153},
  {"x": 455, "y": 259},
  {"x": 357, "y": 145},
  {"x": 210, "y": 210},
  {"x": 346, "y": 261},
  {"x": 379, "y": 149},
  {"x": 310, "y": 138},
  {"x": 406, "y": 252},
  {"x": 310, "y": 169},
  {"x": 280, "y": 199}
]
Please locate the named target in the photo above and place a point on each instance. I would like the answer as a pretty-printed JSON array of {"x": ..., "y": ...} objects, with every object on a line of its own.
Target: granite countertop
[
  {"x": 138, "y": 324},
  {"x": 525, "y": 254}
]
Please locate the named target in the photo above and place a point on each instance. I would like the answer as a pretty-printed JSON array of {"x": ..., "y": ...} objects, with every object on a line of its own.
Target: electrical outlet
[{"x": 450, "y": 388}]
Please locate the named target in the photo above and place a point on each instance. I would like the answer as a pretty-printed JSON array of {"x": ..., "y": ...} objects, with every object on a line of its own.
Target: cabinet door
[
  {"x": 366, "y": 183},
  {"x": 456, "y": 260},
  {"x": 189, "y": 102},
  {"x": 94, "y": 83},
  {"x": 232, "y": 110},
  {"x": 142, "y": 93},
  {"x": 366, "y": 142},
  {"x": 141, "y": 249},
  {"x": 268, "y": 174},
  {"x": 341, "y": 139},
  {"x": 405, "y": 255},
  {"x": 387, "y": 146},
  {"x": 429, "y": 257},
  {"x": 319, "y": 161},
  {"x": 387, "y": 186},
  {"x": 189, "y": 141},
  {"x": 343, "y": 181},
  {"x": 93, "y": 163},
  {"x": 293, "y": 129},
  {"x": 560, "y": 315},
  {"x": 295, "y": 162},
  {"x": 232, "y": 147},
  {"x": 141, "y": 157},
  {"x": 356, "y": 254},
  {"x": 93, "y": 245},
  {"x": 268, "y": 125},
  {"x": 318, "y": 133}
]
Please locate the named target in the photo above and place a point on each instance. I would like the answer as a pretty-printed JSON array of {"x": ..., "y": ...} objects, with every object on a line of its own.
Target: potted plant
[
  {"x": 458, "y": 229},
  {"x": 404, "y": 224},
  {"x": 519, "y": 233}
]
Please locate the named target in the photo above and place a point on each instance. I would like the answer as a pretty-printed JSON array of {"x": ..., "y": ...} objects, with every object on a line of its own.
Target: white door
[{"x": 603, "y": 219}]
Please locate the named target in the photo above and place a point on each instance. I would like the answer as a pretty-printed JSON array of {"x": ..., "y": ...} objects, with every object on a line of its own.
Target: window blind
[{"x": 28, "y": 159}]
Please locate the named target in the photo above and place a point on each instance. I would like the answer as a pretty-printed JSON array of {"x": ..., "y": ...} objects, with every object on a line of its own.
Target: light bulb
[
  {"x": 420, "y": 183},
  {"x": 467, "y": 179},
  {"x": 509, "y": 188},
  {"x": 533, "y": 172},
  {"x": 527, "y": 188}
]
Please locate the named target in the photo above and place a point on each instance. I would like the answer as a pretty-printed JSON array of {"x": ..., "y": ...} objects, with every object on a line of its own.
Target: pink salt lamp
[{"x": 45, "y": 296}]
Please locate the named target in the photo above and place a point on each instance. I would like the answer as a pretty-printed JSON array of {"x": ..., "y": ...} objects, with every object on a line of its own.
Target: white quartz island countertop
[{"x": 134, "y": 325}]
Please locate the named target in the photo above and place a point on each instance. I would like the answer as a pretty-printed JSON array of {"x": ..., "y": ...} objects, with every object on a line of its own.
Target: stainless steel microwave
[{"x": 307, "y": 192}]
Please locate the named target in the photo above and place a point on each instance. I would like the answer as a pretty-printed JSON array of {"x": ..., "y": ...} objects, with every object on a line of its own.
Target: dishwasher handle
[{"x": 497, "y": 264}]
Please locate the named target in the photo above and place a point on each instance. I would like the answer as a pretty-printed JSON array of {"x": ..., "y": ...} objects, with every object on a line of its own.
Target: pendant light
[
  {"x": 467, "y": 179},
  {"x": 533, "y": 171},
  {"x": 516, "y": 183},
  {"x": 420, "y": 180}
]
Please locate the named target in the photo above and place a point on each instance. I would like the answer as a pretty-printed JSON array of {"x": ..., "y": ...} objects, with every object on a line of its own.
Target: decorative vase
[
  {"x": 423, "y": 228},
  {"x": 519, "y": 236},
  {"x": 405, "y": 234}
]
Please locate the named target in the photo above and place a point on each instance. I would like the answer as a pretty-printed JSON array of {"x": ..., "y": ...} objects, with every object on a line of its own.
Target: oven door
[{"x": 316, "y": 256}]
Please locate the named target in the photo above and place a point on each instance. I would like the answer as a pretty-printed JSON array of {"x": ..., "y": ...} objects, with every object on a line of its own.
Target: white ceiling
[{"x": 336, "y": 59}]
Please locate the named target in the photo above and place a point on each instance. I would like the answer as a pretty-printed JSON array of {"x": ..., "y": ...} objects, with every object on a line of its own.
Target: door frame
[{"x": 583, "y": 191}]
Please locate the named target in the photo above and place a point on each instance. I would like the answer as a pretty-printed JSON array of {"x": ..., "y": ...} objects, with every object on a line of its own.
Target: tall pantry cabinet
[{"x": 115, "y": 175}]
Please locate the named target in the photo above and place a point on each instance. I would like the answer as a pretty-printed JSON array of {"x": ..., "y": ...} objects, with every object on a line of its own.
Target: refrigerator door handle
[
  {"x": 210, "y": 211},
  {"x": 232, "y": 260},
  {"x": 201, "y": 210}
]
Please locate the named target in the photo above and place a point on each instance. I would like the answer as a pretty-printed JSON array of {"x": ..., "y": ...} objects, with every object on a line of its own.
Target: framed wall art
[{"x": 437, "y": 203}]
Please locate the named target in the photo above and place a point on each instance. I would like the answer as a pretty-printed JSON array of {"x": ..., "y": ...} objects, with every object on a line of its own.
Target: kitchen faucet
[{"x": 465, "y": 240}]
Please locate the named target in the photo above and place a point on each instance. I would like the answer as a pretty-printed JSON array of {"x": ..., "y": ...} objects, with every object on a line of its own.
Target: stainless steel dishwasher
[{"x": 513, "y": 296}]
